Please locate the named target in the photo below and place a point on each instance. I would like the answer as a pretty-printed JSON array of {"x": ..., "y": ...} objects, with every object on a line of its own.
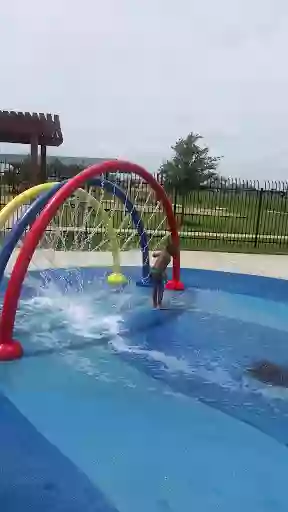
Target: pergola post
[
  {"x": 43, "y": 164},
  {"x": 34, "y": 159}
]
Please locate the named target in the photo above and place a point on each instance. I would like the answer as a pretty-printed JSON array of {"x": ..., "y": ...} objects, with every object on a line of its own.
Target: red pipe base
[
  {"x": 174, "y": 285},
  {"x": 10, "y": 350}
]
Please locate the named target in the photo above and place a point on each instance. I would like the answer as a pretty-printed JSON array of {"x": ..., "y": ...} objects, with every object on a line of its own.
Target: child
[{"x": 158, "y": 272}]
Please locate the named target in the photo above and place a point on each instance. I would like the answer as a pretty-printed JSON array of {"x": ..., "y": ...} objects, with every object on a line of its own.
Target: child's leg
[
  {"x": 155, "y": 294},
  {"x": 161, "y": 292}
]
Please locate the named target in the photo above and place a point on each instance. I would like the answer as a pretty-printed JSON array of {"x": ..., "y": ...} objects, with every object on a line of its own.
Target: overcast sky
[{"x": 129, "y": 77}]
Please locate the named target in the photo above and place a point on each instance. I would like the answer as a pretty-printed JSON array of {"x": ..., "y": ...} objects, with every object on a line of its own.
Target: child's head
[{"x": 171, "y": 248}]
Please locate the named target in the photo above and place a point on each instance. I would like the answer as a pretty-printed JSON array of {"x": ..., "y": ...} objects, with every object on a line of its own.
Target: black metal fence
[
  {"x": 235, "y": 215},
  {"x": 227, "y": 215},
  {"x": 230, "y": 214}
]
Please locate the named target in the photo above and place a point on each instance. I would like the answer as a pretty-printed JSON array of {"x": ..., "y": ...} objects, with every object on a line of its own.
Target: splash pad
[
  {"x": 151, "y": 396},
  {"x": 59, "y": 209}
]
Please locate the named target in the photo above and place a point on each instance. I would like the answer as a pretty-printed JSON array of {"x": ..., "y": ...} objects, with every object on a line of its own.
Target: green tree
[
  {"x": 190, "y": 167},
  {"x": 10, "y": 179},
  {"x": 18, "y": 176},
  {"x": 22, "y": 176},
  {"x": 25, "y": 174},
  {"x": 55, "y": 168},
  {"x": 59, "y": 170}
]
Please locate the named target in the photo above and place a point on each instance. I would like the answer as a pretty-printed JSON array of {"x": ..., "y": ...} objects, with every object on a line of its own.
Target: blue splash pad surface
[
  {"x": 132, "y": 419},
  {"x": 35, "y": 475}
]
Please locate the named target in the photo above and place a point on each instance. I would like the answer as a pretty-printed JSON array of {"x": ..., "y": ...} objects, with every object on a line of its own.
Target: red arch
[{"x": 10, "y": 349}]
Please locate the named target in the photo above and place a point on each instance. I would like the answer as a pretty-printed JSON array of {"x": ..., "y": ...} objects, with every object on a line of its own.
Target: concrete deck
[{"x": 255, "y": 264}]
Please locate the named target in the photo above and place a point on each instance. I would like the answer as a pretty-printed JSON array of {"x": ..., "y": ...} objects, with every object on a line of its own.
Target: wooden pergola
[{"x": 35, "y": 129}]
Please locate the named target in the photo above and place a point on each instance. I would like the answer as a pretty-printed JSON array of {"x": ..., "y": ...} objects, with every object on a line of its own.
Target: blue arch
[
  {"x": 114, "y": 189},
  {"x": 37, "y": 206},
  {"x": 18, "y": 229}
]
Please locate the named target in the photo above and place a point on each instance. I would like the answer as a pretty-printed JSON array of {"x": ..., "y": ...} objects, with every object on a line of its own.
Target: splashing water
[
  {"x": 80, "y": 314},
  {"x": 93, "y": 314}
]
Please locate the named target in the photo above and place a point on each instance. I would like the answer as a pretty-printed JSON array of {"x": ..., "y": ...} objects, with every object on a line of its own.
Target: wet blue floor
[
  {"x": 118, "y": 407},
  {"x": 35, "y": 475}
]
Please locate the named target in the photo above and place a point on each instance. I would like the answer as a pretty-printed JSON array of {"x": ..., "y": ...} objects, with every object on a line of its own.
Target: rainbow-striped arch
[{"x": 12, "y": 349}]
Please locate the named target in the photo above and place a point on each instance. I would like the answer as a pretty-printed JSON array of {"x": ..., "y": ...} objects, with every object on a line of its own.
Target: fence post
[
  {"x": 175, "y": 203},
  {"x": 258, "y": 217}
]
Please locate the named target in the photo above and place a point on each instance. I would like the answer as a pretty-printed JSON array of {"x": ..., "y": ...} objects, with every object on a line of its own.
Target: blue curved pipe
[
  {"x": 114, "y": 189},
  {"x": 18, "y": 229},
  {"x": 37, "y": 206}
]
